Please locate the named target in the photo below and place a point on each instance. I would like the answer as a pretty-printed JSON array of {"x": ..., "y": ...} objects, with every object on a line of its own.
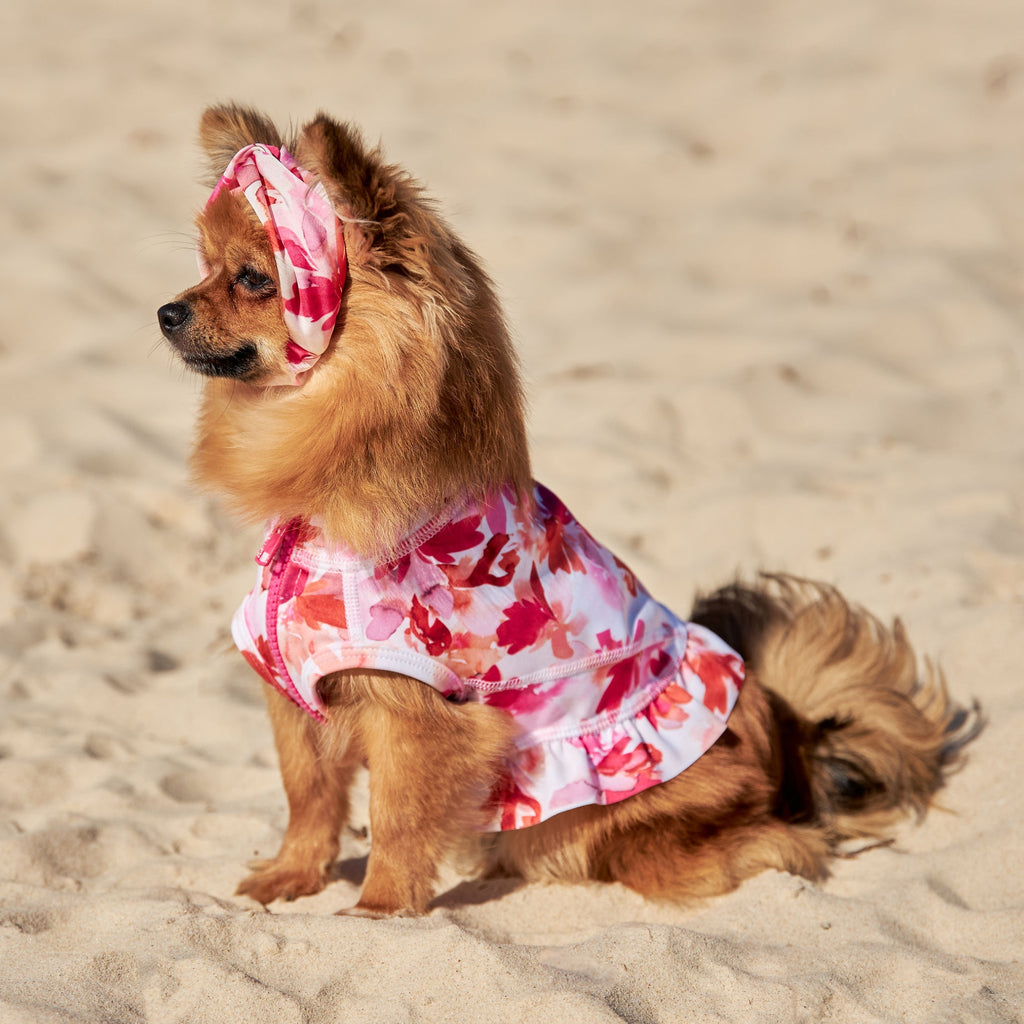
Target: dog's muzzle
[{"x": 172, "y": 317}]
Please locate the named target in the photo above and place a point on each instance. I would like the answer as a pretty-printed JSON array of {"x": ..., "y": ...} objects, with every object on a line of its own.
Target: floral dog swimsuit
[{"x": 511, "y": 604}]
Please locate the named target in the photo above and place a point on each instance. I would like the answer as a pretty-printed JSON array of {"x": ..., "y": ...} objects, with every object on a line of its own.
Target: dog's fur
[{"x": 417, "y": 400}]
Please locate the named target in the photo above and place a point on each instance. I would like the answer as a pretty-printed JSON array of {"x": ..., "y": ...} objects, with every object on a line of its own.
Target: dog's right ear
[
  {"x": 355, "y": 176},
  {"x": 225, "y": 129}
]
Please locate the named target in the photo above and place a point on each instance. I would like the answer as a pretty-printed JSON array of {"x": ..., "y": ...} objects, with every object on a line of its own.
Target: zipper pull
[{"x": 271, "y": 545}]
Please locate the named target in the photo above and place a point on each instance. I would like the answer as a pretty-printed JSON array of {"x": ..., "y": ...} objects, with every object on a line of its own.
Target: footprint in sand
[{"x": 217, "y": 785}]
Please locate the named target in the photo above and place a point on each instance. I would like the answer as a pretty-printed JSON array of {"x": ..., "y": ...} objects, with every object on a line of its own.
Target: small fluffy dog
[{"x": 424, "y": 608}]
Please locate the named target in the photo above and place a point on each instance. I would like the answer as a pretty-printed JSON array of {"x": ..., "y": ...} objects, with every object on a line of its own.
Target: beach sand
[{"x": 765, "y": 268}]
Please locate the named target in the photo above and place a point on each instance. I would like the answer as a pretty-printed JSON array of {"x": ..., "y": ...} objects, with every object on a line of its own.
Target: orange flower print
[
  {"x": 435, "y": 636},
  {"x": 315, "y": 606},
  {"x": 719, "y": 672}
]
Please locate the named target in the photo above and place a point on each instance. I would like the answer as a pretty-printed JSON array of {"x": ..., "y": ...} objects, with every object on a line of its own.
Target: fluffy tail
[{"x": 865, "y": 738}]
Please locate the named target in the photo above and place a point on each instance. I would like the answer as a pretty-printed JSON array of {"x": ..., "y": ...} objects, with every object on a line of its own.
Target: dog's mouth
[
  {"x": 178, "y": 326},
  {"x": 242, "y": 364}
]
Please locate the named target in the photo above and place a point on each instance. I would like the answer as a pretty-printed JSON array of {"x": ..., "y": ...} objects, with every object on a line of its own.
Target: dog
[{"x": 424, "y": 608}]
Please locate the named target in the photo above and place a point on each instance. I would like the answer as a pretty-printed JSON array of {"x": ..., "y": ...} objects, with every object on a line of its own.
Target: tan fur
[
  {"x": 222, "y": 126},
  {"x": 431, "y": 764},
  {"x": 418, "y": 400}
]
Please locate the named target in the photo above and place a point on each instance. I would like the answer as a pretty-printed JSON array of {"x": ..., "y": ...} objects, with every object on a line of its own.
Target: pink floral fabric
[
  {"x": 511, "y": 604},
  {"x": 308, "y": 243}
]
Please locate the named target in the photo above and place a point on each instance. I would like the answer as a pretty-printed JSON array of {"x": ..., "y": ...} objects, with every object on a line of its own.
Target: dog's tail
[{"x": 865, "y": 739}]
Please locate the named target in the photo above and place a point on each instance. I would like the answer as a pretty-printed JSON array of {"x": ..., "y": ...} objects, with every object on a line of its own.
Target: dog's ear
[
  {"x": 225, "y": 129},
  {"x": 357, "y": 180}
]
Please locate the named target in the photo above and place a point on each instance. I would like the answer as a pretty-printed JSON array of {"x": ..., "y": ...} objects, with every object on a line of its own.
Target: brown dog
[{"x": 415, "y": 403}]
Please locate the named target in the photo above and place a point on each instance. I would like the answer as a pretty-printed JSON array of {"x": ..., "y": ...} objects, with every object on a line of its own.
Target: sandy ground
[{"x": 765, "y": 265}]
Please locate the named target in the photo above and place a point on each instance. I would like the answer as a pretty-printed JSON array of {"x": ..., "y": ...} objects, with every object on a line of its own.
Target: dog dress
[{"x": 511, "y": 604}]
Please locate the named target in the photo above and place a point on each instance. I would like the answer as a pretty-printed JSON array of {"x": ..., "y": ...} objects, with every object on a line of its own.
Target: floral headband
[{"x": 309, "y": 247}]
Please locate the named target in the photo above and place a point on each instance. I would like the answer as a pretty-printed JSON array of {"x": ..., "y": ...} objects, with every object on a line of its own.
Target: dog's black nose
[{"x": 173, "y": 316}]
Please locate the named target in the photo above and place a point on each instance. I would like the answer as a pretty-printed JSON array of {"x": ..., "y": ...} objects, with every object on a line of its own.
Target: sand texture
[{"x": 765, "y": 266}]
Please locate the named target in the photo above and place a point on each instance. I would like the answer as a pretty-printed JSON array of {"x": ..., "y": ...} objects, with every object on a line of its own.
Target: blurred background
[{"x": 773, "y": 245}]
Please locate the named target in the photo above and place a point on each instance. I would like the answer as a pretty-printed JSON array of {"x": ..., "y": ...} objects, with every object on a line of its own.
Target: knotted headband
[{"x": 306, "y": 238}]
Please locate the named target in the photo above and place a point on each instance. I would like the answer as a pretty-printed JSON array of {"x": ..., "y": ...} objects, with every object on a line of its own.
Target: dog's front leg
[
  {"x": 317, "y": 766},
  {"x": 432, "y": 765}
]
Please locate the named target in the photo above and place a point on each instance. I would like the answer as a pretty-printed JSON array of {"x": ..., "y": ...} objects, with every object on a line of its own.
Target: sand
[{"x": 764, "y": 263}]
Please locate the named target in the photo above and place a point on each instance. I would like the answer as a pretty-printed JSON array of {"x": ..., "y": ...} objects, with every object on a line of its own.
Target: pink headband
[{"x": 309, "y": 247}]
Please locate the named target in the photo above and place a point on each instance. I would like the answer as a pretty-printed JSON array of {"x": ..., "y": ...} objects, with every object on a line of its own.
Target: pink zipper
[
  {"x": 276, "y": 551},
  {"x": 272, "y": 544}
]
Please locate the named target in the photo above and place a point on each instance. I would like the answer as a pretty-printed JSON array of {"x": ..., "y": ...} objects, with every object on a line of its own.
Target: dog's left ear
[
  {"x": 354, "y": 176},
  {"x": 388, "y": 221},
  {"x": 225, "y": 129}
]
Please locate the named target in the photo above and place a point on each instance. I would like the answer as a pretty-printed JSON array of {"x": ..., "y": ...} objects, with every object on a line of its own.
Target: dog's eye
[{"x": 252, "y": 280}]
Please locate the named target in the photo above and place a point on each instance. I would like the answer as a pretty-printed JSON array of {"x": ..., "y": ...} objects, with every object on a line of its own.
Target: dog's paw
[{"x": 272, "y": 881}]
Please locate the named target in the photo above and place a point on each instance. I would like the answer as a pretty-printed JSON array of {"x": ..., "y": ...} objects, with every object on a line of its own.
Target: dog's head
[
  {"x": 354, "y": 349},
  {"x": 230, "y": 324},
  {"x": 273, "y": 248}
]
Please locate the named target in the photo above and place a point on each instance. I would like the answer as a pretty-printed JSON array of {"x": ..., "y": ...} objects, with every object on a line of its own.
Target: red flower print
[
  {"x": 435, "y": 636},
  {"x": 315, "y": 299},
  {"x": 481, "y": 574},
  {"x": 517, "y": 809},
  {"x": 621, "y": 682},
  {"x": 557, "y": 548},
  {"x": 297, "y": 251},
  {"x": 524, "y": 699},
  {"x": 658, "y": 663},
  {"x": 295, "y": 353},
  {"x": 263, "y": 661},
  {"x": 526, "y": 620},
  {"x": 460, "y": 535},
  {"x": 634, "y": 763}
]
